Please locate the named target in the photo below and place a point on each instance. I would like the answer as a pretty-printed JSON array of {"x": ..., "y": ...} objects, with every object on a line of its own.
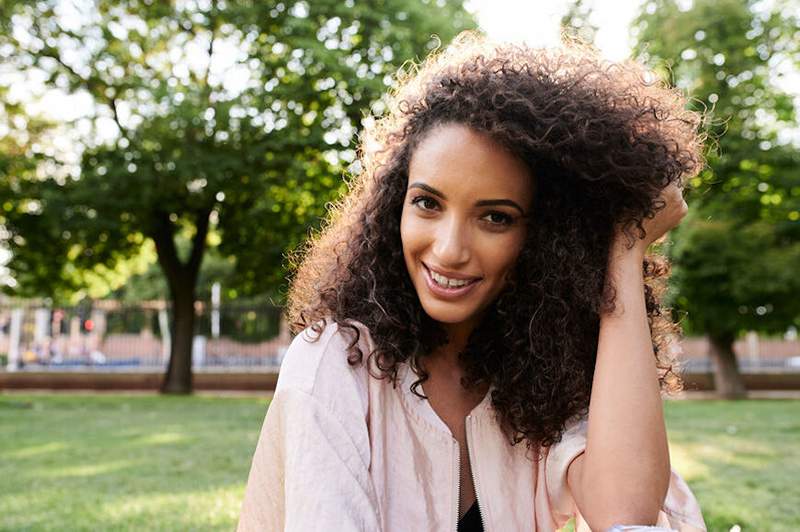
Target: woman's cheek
[
  {"x": 413, "y": 231},
  {"x": 505, "y": 248},
  {"x": 508, "y": 255}
]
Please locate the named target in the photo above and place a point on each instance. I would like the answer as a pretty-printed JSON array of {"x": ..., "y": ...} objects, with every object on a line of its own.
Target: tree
[
  {"x": 150, "y": 284},
  {"x": 236, "y": 117},
  {"x": 735, "y": 254},
  {"x": 576, "y": 22},
  {"x": 21, "y": 156}
]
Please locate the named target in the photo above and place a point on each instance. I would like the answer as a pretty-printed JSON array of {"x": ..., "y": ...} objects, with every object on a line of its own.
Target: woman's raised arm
[{"x": 623, "y": 476}]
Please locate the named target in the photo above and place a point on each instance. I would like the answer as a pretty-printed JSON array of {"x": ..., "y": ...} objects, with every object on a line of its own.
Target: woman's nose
[{"x": 451, "y": 245}]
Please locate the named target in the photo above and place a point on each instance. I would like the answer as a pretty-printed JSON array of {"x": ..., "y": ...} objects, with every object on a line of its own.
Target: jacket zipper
[
  {"x": 458, "y": 484},
  {"x": 472, "y": 471}
]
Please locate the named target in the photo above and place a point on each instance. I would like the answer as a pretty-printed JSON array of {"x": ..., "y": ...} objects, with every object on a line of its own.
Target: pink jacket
[{"x": 341, "y": 450}]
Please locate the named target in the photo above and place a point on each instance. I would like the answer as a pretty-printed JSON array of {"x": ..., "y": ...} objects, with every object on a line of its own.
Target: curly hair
[{"x": 601, "y": 139}]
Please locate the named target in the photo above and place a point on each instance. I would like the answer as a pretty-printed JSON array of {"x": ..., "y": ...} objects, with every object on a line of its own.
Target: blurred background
[{"x": 160, "y": 160}]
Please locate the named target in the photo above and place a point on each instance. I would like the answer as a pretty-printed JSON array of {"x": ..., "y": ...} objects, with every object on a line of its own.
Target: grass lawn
[
  {"x": 117, "y": 462},
  {"x": 125, "y": 462},
  {"x": 741, "y": 459}
]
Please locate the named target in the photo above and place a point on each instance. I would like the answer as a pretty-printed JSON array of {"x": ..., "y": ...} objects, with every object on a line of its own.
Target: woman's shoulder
[{"x": 316, "y": 362}]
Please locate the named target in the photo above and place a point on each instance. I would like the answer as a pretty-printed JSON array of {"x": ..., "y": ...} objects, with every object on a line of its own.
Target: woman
[{"x": 485, "y": 285}]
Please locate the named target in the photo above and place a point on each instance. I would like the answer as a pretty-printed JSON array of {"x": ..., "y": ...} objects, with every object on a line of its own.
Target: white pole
[
  {"x": 215, "y": 289},
  {"x": 166, "y": 339},
  {"x": 41, "y": 317},
  {"x": 198, "y": 351},
  {"x": 75, "y": 346},
  {"x": 13, "y": 339},
  {"x": 96, "y": 335},
  {"x": 752, "y": 346}
]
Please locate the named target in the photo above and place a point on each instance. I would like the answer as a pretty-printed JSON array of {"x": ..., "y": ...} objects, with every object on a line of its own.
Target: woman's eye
[
  {"x": 426, "y": 203},
  {"x": 494, "y": 218},
  {"x": 499, "y": 218}
]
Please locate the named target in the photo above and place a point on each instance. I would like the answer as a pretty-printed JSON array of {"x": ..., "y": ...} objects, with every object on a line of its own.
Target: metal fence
[
  {"x": 108, "y": 335},
  {"x": 754, "y": 354},
  {"x": 764, "y": 365}
]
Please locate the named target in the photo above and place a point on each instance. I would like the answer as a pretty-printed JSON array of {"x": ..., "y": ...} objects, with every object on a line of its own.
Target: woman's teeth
[{"x": 444, "y": 282}]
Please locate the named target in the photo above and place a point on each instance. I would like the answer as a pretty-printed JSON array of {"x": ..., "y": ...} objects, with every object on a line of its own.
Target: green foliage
[
  {"x": 576, "y": 23},
  {"x": 149, "y": 284},
  {"x": 735, "y": 278},
  {"x": 236, "y": 118},
  {"x": 735, "y": 254}
]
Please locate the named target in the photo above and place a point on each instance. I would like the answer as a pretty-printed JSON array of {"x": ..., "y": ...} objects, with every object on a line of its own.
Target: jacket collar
[{"x": 421, "y": 409}]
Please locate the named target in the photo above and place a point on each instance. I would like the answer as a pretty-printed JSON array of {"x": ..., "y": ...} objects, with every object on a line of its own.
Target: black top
[{"x": 471, "y": 522}]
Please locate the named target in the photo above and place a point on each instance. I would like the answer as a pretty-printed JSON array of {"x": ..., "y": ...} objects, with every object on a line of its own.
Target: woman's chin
[{"x": 446, "y": 316}]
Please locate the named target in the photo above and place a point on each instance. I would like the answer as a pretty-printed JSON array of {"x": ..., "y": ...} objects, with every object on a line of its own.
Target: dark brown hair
[{"x": 602, "y": 140}]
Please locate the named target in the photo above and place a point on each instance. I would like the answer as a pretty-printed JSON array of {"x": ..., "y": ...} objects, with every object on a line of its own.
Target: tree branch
[
  {"x": 206, "y": 86},
  {"x": 198, "y": 241},
  {"x": 113, "y": 105},
  {"x": 163, "y": 235},
  {"x": 210, "y": 45},
  {"x": 97, "y": 88},
  {"x": 99, "y": 93}
]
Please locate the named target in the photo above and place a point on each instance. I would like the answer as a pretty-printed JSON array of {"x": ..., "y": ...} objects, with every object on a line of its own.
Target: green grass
[
  {"x": 122, "y": 462},
  {"x": 741, "y": 459},
  {"x": 101, "y": 462}
]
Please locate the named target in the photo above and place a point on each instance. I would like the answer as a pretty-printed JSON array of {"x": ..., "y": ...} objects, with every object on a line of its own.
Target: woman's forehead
[{"x": 463, "y": 160}]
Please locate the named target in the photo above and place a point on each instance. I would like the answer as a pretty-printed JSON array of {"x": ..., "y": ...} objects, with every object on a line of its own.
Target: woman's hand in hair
[{"x": 670, "y": 210}]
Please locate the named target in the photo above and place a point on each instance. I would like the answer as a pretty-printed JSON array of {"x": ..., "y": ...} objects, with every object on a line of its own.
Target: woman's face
[{"x": 462, "y": 225}]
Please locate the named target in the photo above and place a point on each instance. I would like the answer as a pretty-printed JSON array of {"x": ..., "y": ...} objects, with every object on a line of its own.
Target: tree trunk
[
  {"x": 182, "y": 281},
  {"x": 727, "y": 379},
  {"x": 178, "y": 379}
]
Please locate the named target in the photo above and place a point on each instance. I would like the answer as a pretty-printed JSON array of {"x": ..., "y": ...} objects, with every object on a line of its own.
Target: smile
[{"x": 448, "y": 288}]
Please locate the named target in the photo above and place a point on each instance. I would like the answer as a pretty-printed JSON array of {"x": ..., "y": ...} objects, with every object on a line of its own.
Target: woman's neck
[
  {"x": 444, "y": 359},
  {"x": 445, "y": 373}
]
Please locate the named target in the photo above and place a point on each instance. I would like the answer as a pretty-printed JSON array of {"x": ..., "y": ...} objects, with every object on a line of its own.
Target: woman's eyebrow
[
  {"x": 506, "y": 202},
  {"x": 427, "y": 188},
  {"x": 479, "y": 203}
]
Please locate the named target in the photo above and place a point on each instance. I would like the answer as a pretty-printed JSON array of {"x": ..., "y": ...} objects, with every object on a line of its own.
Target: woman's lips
[{"x": 448, "y": 293}]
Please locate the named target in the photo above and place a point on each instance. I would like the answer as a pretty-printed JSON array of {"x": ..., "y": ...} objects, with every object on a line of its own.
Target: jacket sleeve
[
  {"x": 306, "y": 473},
  {"x": 680, "y": 510}
]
